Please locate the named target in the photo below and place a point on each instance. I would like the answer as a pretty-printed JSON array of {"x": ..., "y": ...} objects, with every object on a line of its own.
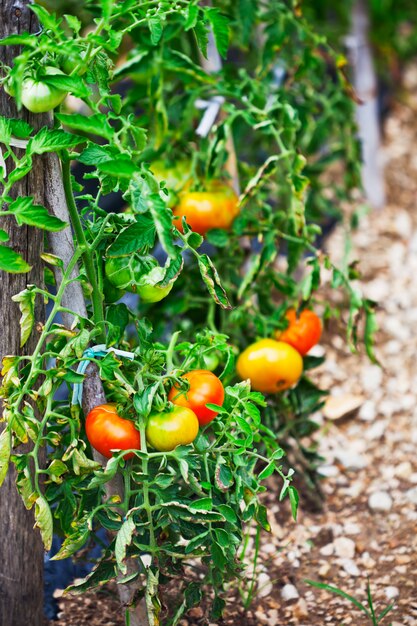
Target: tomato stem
[{"x": 87, "y": 254}]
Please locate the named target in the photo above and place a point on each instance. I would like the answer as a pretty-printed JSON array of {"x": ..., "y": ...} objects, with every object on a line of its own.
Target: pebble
[
  {"x": 392, "y": 592},
  {"x": 380, "y": 501},
  {"x": 264, "y": 585},
  {"x": 404, "y": 470},
  {"x": 300, "y": 609},
  {"x": 327, "y": 550},
  {"x": 337, "y": 407},
  {"x": 350, "y": 460},
  {"x": 324, "y": 570},
  {"x": 367, "y": 412},
  {"x": 411, "y": 495},
  {"x": 350, "y": 567},
  {"x": 344, "y": 547},
  {"x": 289, "y": 593}
]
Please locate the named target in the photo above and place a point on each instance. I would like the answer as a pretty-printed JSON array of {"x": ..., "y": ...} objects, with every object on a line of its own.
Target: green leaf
[
  {"x": 94, "y": 155},
  {"x": 220, "y": 26},
  {"x": 72, "y": 544},
  {"x": 97, "y": 124},
  {"x": 294, "y": 499},
  {"x": 218, "y": 556},
  {"x": 145, "y": 197},
  {"x": 339, "y": 592},
  {"x": 156, "y": 28},
  {"x": 5, "y": 451},
  {"x": 43, "y": 521},
  {"x": 5, "y": 130},
  {"x": 192, "y": 16},
  {"x": 227, "y": 512},
  {"x": 72, "y": 84},
  {"x": 139, "y": 235},
  {"x": 118, "y": 168},
  {"x": 201, "y": 33},
  {"x": 3, "y": 235},
  {"x": 12, "y": 262},
  {"x": 102, "y": 573},
  {"x": 52, "y": 140},
  {"x": 196, "y": 542},
  {"x": 26, "y": 300},
  {"x": 211, "y": 278},
  {"x": 26, "y": 212},
  {"x": 124, "y": 539}
]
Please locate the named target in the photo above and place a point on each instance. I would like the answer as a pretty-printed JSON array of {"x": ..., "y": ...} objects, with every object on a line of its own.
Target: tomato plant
[
  {"x": 107, "y": 431},
  {"x": 270, "y": 365},
  {"x": 303, "y": 331},
  {"x": 204, "y": 388},
  {"x": 178, "y": 427},
  {"x": 149, "y": 117}
]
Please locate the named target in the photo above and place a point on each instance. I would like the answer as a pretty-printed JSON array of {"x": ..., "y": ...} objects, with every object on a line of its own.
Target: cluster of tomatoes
[
  {"x": 107, "y": 431},
  {"x": 273, "y": 365}
]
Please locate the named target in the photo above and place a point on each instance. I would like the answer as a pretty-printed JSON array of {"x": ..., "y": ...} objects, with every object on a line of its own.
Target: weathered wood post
[{"x": 21, "y": 550}]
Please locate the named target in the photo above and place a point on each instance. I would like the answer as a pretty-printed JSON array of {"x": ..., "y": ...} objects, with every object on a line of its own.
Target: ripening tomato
[
  {"x": 38, "y": 97},
  {"x": 176, "y": 177},
  {"x": 204, "y": 388},
  {"x": 153, "y": 293},
  {"x": 215, "y": 208},
  {"x": 107, "y": 431},
  {"x": 110, "y": 292},
  {"x": 303, "y": 332},
  {"x": 270, "y": 365},
  {"x": 166, "y": 431}
]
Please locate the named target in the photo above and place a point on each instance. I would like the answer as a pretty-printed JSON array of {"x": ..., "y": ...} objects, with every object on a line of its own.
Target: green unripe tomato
[
  {"x": 38, "y": 97},
  {"x": 153, "y": 293},
  {"x": 211, "y": 361},
  {"x": 70, "y": 62},
  {"x": 123, "y": 272}
]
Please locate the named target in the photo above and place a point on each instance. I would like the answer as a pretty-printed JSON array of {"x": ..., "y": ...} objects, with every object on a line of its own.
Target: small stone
[
  {"x": 324, "y": 570},
  {"x": 380, "y": 501},
  {"x": 329, "y": 471},
  {"x": 411, "y": 495},
  {"x": 289, "y": 593},
  {"x": 327, "y": 550},
  {"x": 367, "y": 412},
  {"x": 392, "y": 592},
  {"x": 350, "y": 567},
  {"x": 404, "y": 470},
  {"x": 337, "y": 407},
  {"x": 344, "y": 547},
  {"x": 264, "y": 585},
  {"x": 300, "y": 609},
  {"x": 350, "y": 460}
]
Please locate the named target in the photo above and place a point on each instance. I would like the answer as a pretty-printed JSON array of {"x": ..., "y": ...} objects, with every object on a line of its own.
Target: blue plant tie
[{"x": 88, "y": 355}]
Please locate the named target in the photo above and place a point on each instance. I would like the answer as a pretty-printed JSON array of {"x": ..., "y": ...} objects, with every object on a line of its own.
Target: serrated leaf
[
  {"x": 26, "y": 301},
  {"x": 52, "y": 140},
  {"x": 12, "y": 262},
  {"x": 72, "y": 544},
  {"x": 124, "y": 539},
  {"x": 97, "y": 124},
  {"x": 5, "y": 450},
  {"x": 139, "y": 235},
  {"x": 201, "y": 33},
  {"x": 72, "y": 84},
  {"x": 220, "y": 26},
  {"x": 156, "y": 28},
  {"x": 44, "y": 521},
  {"x": 25, "y": 212}
]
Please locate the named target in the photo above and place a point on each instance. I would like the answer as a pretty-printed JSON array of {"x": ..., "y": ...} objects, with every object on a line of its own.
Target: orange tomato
[
  {"x": 215, "y": 208},
  {"x": 204, "y": 387},
  {"x": 303, "y": 332},
  {"x": 107, "y": 431},
  {"x": 270, "y": 365}
]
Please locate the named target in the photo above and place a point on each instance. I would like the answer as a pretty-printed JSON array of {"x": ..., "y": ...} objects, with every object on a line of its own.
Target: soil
[{"x": 368, "y": 438}]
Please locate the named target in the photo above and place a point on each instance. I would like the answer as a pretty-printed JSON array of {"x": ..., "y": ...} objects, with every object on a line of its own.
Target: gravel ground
[{"x": 368, "y": 437}]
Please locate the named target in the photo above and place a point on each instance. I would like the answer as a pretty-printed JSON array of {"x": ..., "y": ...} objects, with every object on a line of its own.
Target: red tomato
[
  {"x": 166, "y": 431},
  {"x": 205, "y": 388},
  {"x": 215, "y": 208},
  {"x": 303, "y": 332},
  {"x": 107, "y": 431}
]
